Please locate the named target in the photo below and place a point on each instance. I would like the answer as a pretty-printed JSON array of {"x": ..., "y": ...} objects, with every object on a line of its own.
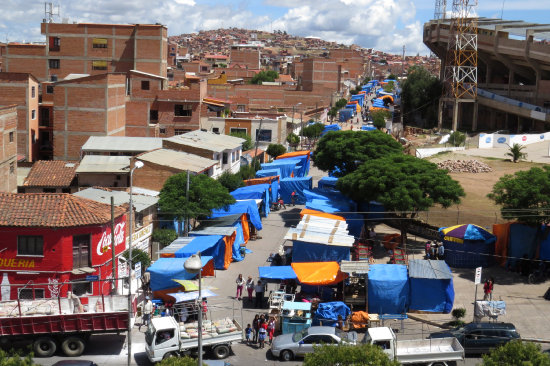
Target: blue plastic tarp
[
  {"x": 303, "y": 164},
  {"x": 268, "y": 173},
  {"x": 286, "y": 166},
  {"x": 277, "y": 273},
  {"x": 388, "y": 289},
  {"x": 165, "y": 270},
  {"x": 275, "y": 188},
  {"x": 258, "y": 191},
  {"x": 327, "y": 313},
  {"x": 311, "y": 252},
  {"x": 208, "y": 245},
  {"x": 523, "y": 240},
  {"x": 335, "y": 126},
  {"x": 329, "y": 206},
  {"x": 327, "y": 183},
  {"x": 298, "y": 185},
  {"x": 544, "y": 252},
  {"x": 431, "y": 284},
  {"x": 368, "y": 128},
  {"x": 242, "y": 207}
]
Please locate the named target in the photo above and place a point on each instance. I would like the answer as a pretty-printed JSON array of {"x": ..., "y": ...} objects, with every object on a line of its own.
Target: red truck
[{"x": 62, "y": 323}]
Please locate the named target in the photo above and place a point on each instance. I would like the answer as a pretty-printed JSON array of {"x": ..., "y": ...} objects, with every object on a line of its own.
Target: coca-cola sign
[{"x": 104, "y": 243}]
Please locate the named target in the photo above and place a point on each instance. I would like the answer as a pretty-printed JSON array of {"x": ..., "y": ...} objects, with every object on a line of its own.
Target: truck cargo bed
[{"x": 429, "y": 350}]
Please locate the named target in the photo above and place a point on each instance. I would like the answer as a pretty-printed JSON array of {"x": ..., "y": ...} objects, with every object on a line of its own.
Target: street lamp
[
  {"x": 137, "y": 165},
  {"x": 193, "y": 264}
]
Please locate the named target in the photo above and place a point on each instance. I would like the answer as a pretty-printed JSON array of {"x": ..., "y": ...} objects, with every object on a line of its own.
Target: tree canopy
[
  {"x": 164, "y": 236},
  {"x": 205, "y": 194},
  {"x": 348, "y": 355},
  {"x": 403, "y": 184},
  {"x": 344, "y": 151},
  {"x": 379, "y": 118},
  {"x": 231, "y": 181},
  {"x": 264, "y": 75},
  {"x": 313, "y": 131},
  {"x": 420, "y": 94},
  {"x": 517, "y": 353},
  {"x": 138, "y": 255},
  {"x": 275, "y": 150},
  {"x": 247, "y": 144},
  {"x": 524, "y": 196},
  {"x": 341, "y": 103},
  {"x": 292, "y": 139}
]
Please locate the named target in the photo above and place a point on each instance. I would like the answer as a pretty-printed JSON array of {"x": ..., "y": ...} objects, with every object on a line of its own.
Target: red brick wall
[
  {"x": 152, "y": 176},
  {"x": 8, "y": 150},
  {"x": 248, "y": 58}
]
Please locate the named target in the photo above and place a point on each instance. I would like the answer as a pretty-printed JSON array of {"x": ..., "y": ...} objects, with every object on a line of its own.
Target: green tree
[
  {"x": 249, "y": 171},
  {"x": 247, "y": 144},
  {"x": 517, "y": 353},
  {"x": 275, "y": 150},
  {"x": 341, "y": 103},
  {"x": 345, "y": 151},
  {"x": 348, "y": 355},
  {"x": 379, "y": 118},
  {"x": 13, "y": 358},
  {"x": 179, "y": 361},
  {"x": 403, "y": 184},
  {"x": 392, "y": 77},
  {"x": 164, "y": 236},
  {"x": 389, "y": 87},
  {"x": 333, "y": 112},
  {"x": 457, "y": 138},
  {"x": 292, "y": 139},
  {"x": 313, "y": 131},
  {"x": 420, "y": 95},
  {"x": 231, "y": 181},
  {"x": 205, "y": 195},
  {"x": 516, "y": 152},
  {"x": 524, "y": 196},
  {"x": 138, "y": 255},
  {"x": 264, "y": 75}
]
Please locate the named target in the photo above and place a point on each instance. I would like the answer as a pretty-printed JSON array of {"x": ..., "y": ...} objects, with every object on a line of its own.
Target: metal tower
[{"x": 440, "y": 9}]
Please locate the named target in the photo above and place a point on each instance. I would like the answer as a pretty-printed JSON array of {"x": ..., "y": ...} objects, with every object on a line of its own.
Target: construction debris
[{"x": 464, "y": 166}]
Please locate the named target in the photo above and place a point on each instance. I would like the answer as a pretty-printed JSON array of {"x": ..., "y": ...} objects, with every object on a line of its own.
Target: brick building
[
  {"x": 51, "y": 177},
  {"x": 351, "y": 61},
  {"x": 22, "y": 89},
  {"x": 8, "y": 148},
  {"x": 245, "y": 55}
]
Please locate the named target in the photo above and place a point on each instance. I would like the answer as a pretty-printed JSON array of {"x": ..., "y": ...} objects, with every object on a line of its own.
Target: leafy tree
[
  {"x": 333, "y": 112},
  {"x": 420, "y": 94},
  {"x": 345, "y": 151},
  {"x": 138, "y": 255},
  {"x": 348, "y": 355},
  {"x": 403, "y": 184},
  {"x": 264, "y": 75},
  {"x": 249, "y": 171},
  {"x": 275, "y": 150},
  {"x": 379, "y": 118},
  {"x": 13, "y": 358},
  {"x": 457, "y": 138},
  {"x": 389, "y": 87},
  {"x": 392, "y": 77},
  {"x": 247, "y": 144},
  {"x": 366, "y": 80},
  {"x": 313, "y": 131},
  {"x": 516, "y": 152},
  {"x": 164, "y": 236},
  {"x": 205, "y": 194},
  {"x": 524, "y": 196},
  {"x": 231, "y": 181},
  {"x": 179, "y": 361},
  {"x": 292, "y": 139},
  {"x": 517, "y": 353},
  {"x": 341, "y": 103}
]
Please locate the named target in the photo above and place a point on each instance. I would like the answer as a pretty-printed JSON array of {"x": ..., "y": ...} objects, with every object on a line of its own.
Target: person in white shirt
[
  {"x": 260, "y": 289},
  {"x": 147, "y": 312}
]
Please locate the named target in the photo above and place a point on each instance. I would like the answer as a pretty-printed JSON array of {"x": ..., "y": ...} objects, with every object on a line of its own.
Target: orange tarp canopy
[
  {"x": 502, "y": 232},
  {"x": 308, "y": 211},
  {"x": 318, "y": 273},
  {"x": 263, "y": 180},
  {"x": 246, "y": 229},
  {"x": 294, "y": 154},
  {"x": 228, "y": 258}
]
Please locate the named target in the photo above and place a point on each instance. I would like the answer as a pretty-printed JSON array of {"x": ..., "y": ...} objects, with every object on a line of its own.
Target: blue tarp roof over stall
[
  {"x": 208, "y": 245},
  {"x": 233, "y": 221},
  {"x": 286, "y": 166},
  {"x": 368, "y": 128},
  {"x": 388, "y": 289},
  {"x": 334, "y": 126},
  {"x": 268, "y": 173},
  {"x": 303, "y": 164},
  {"x": 248, "y": 207},
  {"x": 431, "y": 286},
  {"x": 327, "y": 182},
  {"x": 277, "y": 272},
  {"x": 258, "y": 191},
  {"x": 327, "y": 313},
  {"x": 298, "y": 185},
  {"x": 165, "y": 270}
]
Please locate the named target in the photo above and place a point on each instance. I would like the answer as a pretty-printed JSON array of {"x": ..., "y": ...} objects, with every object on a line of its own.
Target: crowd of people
[
  {"x": 435, "y": 250},
  {"x": 261, "y": 330}
]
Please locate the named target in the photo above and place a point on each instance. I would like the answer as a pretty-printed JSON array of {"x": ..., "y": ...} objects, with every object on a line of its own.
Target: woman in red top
[
  {"x": 488, "y": 289},
  {"x": 271, "y": 329}
]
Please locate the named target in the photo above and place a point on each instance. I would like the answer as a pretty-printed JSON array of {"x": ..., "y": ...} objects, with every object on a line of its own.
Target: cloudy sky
[{"x": 382, "y": 24}]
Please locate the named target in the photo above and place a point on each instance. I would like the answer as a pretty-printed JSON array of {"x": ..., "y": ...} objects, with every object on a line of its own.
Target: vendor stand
[{"x": 295, "y": 316}]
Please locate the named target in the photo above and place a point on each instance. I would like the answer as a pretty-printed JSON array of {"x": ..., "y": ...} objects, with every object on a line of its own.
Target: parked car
[
  {"x": 75, "y": 363},
  {"x": 477, "y": 338},
  {"x": 288, "y": 346}
]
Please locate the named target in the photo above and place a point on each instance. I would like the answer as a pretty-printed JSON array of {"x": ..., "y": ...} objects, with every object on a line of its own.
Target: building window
[
  {"x": 33, "y": 114},
  {"x": 263, "y": 135},
  {"x": 49, "y": 89},
  {"x": 55, "y": 42},
  {"x": 99, "y": 43},
  {"x": 82, "y": 288},
  {"x": 233, "y": 156},
  {"x": 12, "y": 167},
  {"x": 11, "y": 136},
  {"x": 181, "y": 131},
  {"x": 30, "y": 245},
  {"x": 238, "y": 130},
  {"x": 183, "y": 110},
  {"x": 30, "y": 293},
  {"x": 81, "y": 251},
  {"x": 216, "y": 130},
  {"x": 153, "y": 115},
  {"x": 162, "y": 130},
  {"x": 33, "y": 92},
  {"x": 224, "y": 158},
  {"x": 99, "y": 65},
  {"x": 49, "y": 190},
  {"x": 145, "y": 85},
  {"x": 53, "y": 63},
  {"x": 241, "y": 108},
  {"x": 65, "y": 190}
]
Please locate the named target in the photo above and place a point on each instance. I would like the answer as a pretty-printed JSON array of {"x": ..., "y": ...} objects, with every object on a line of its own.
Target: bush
[
  {"x": 457, "y": 138},
  {"x": 379, "y": 118},
  {"x": 138, "y": 255},
  {"x": 179, "y": 361},
  {"x": 293, "y": 139},
  {"x": 348, "y": 355},
  {"x": 13, "y": 358},
  {"x": 231, "y": 181},
  {"x": 249, "y": 171},
  {"x": 275, "y": 150},
  {"x": 458, "y": 314},
  {"x": 341, "y": 103},
  {"x": 517, "y": 353},
  {"x": 247, "y": 144},
  {"x": 164, "y": 236}
]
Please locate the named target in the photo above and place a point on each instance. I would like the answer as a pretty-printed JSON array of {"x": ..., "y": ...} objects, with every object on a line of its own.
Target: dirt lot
[{"x": 475, "y": 208}]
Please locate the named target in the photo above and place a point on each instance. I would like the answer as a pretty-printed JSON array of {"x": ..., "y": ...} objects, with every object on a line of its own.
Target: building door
[{"x": 81, "y": 251}]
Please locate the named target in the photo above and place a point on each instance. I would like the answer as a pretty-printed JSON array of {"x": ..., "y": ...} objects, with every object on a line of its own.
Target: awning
[
  {"x": 277, "y": 272},
  {"x": 189, "y": 296},
  {"x": 318, "y": 273}
]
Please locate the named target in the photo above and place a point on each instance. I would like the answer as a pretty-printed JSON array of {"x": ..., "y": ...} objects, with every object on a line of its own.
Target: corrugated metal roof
[
  {"x": 356, "y": 267},
  {"x": 215, "y": 230},
  {"x": 104, "y": 164},
  {"x": 140, "y": 202},
  {"x": 176, "y": 245},
  {"x": 207, "y": 140},
  {"x": 178, "y": 160},
  {"x": 436, "y": 269},
  {"x": 122, "y": 143}
]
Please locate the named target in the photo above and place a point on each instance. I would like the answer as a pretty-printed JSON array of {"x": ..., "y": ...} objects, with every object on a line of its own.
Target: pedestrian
[
  {"x": 340, "y": 322},
  {"x": 293, "y": 198},
  {"x": 433, "y": 251},
  {"x": 259, "y": 294},
  {"x": 147, "y": 312},
  {"x": 250, "y": 288},
  {"x": 271, "y": 329},
  {"x": 240, "y": 285},
  {"x": 248, "y": 332},
  {"x": 428, "y": 249},
  {"x": 262, "y": 333},
  {"x": 205, "y": 308},
  {"x": 488, "y": 289},
  {"x": 256, "y": 326},
  {"x": 440, "y": 252}
]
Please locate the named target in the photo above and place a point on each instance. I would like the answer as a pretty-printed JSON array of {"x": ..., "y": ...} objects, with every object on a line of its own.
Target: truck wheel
[
  {"x": 170, "y": 355},
  {"x": 44, "y": 347},
  {"x": 287, "y": 355},
  {"x": 222, "y": 351},
  {"x": 73, "y": 346}
]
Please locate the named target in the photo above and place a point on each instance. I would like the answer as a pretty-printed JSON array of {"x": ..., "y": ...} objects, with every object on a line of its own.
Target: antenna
[
  {"x": 50, "y": 11},
  {"x": 502, "y": 10}
]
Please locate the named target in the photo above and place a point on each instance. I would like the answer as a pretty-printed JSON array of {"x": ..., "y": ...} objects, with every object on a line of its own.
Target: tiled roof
[
  {"x": 54, "y": 210},
  {"x": 54, "y": 173}
]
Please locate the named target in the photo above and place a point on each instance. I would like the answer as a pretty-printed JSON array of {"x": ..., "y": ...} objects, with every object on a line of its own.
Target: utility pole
[
  {"x": 403, "y": 62},
  {"x": 113, "y": 242},
  {"x": 186, "y": 229}
]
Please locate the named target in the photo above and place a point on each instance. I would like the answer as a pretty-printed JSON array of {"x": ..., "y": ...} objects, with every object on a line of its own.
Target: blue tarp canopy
[
  {"x": 471, "y": 246},
  {"x": 311, "y": 252},
  {"x": 335, "y": 126},
  {"x": 277, "y": 273},
  {"x": 242, "y": 207},
  {"x": 334, "y": 202},
  {"x": 165, "y": 270},
  {"x": 228, "y": 221},
  {"x": 343, "y": 116},
  {"x": 286, "y": 166},
  {"x": 368, "y": 128},
  {"x": 298, "y": 185},
  {"x": 258, "y": 191},
  {"x": 544, "y": 252},
  {"x": 191, "y": 295},
  {"x": 388, "y": 289},
  {"x": 523, "y": 240},
  {"x": 327, "y": 313},
  {"x": 268, "y": 173},
  {"x": 431, "y": 283},
  {"x": 327, "y": 183},
  {"x": 303, "y": 164},
  {"x": 208, "y": 245}
]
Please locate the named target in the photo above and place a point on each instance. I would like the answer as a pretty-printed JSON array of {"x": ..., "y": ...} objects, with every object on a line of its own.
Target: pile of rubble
[{"x": 464, "y": 166}]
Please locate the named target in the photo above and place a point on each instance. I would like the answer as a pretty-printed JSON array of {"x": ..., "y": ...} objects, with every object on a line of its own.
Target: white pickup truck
[
  {"x": 167, "y": 338},
  {"x": 430, "y": 352}
]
